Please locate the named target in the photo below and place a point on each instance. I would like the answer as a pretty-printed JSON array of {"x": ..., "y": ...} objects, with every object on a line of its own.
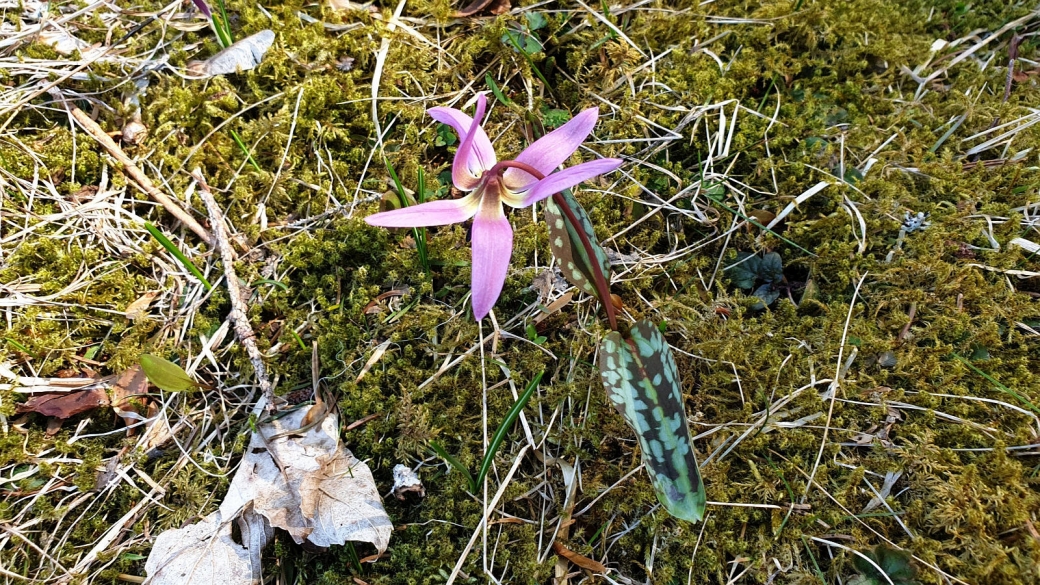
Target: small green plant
[
  {"x": 496, "y": 441},
  {"x": 896, "y": 564},
  {"x": 533, "y": 336},
  {"x": 752, "y": 269}
]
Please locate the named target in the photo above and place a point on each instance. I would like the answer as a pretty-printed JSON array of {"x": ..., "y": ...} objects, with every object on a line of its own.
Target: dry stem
[
  {"x": 131, "y": 168},
  {"x": 239, "y": 319}
]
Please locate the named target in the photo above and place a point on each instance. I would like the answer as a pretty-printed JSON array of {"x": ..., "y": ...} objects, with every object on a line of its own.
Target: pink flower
[{"x": 490, "y": 183}]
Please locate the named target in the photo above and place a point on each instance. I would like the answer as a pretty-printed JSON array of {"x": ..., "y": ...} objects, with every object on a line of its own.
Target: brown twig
[
  {"x": 239, "y": 319},
  {"x": 909, "y": 322},
  {"x": 131, "y": 169}
]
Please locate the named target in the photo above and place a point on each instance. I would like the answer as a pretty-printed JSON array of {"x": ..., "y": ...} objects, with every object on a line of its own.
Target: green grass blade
[
  {"x": 222, "y": 27},
  {"x": 172, "y": 249},
  {"x": 503, "y": 429},
  {"x": 495, "y": 90},
  {"x": 999, "y": 386},
  {"x": 245, "y": 150},
  {"x": 752, "y": 221},
  {"x": 418, "y": 233},
  {"x": 456, "y": 464}
]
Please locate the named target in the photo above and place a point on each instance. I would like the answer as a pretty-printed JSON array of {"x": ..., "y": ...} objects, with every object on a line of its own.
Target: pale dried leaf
[
  {"x": 376, "y": 355},
  {"x": 331, "y": 497},
  {"x": 240, "y": 56},
  {"x": 64, "y": 42},
  {"x": 201, "y": 553},
  {"x": 139, "y": 308}
]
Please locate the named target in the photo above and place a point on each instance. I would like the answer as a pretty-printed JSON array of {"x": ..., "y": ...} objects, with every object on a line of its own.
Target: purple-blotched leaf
[{"x": 642, "y": 381}]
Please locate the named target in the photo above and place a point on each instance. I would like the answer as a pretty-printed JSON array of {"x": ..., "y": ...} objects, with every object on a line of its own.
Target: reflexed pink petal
[
  {"x": 550, "y": 151},
  {"x": 428, "y": 214},
  {"x": 461, "y": 123},
  {"x": 567, "y": 178},
  {"x": 492, "y": 248},
  {"x": 475, "y": 154}
]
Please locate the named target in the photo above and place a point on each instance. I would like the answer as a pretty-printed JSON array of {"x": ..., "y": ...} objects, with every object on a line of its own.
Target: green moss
[{"x": 832, "y": 75}]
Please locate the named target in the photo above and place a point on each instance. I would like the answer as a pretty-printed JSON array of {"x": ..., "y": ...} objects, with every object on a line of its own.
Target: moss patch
[{"x": 812, "y": 91}]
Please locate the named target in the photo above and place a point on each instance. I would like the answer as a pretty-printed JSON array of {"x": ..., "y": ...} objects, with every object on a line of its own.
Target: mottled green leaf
[
  {"x": 743, "y": 273},
  {"x": 642, "y": 381},
  {"x": 567, "y": 247},
  {"x": 166, "y": 374}
]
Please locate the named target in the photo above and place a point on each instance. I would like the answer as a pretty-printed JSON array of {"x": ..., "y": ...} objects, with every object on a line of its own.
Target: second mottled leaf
[{"x": 567, "y": 246}]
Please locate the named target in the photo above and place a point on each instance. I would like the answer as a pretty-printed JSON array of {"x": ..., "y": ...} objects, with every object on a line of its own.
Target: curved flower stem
[{"x": 597, "y": 271}]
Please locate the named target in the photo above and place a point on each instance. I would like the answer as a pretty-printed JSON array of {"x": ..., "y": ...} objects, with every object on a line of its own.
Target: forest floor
[{"x": 865, "y": 384}]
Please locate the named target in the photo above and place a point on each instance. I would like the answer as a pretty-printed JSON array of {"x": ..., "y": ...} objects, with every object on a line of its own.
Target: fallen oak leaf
[{"x": 322, "y": 496}]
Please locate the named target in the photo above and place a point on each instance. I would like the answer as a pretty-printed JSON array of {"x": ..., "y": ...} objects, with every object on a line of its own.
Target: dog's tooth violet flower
[{"x": 517, "y": 183}]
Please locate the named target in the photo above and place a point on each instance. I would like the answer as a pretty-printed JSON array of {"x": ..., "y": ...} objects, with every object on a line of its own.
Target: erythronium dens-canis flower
[{"x": 490, "y": 183}]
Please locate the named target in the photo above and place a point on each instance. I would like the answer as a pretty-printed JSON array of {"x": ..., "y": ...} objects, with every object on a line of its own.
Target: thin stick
[
  {"x": 238, "y": 317},
  {"x": 131, "y": 169}
]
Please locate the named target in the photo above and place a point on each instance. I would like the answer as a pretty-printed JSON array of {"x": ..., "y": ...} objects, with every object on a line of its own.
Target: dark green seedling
[
  {"x": 642, "y": 380},
  {"x": 752, "y": 269},
  {"x": 896, "y": 564}
]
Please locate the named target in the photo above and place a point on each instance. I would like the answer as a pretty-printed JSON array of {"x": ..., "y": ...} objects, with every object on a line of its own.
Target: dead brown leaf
[
  {"x": 130, "y": 385},
  {"x": 1020, "y": 76},
  {"x": 65, "y": 404},
  {"x": 579, "y": 559}
]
